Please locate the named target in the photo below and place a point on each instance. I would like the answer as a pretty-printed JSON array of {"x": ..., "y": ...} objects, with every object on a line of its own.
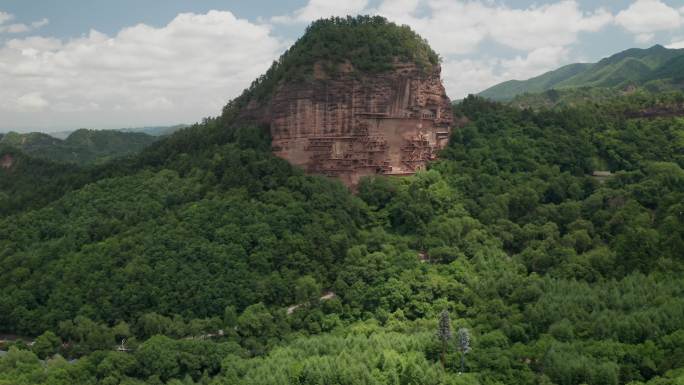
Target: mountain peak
[{"x": 353, "y": 96}]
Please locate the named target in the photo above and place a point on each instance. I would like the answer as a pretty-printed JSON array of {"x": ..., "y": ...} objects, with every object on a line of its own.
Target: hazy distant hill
[
  {"x": 655, "y": 69},
  {"x": 154, "y": 131},
  {"x": 81, "y": 147}
]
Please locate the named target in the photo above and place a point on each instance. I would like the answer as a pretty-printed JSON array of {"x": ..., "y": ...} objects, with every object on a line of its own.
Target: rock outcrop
[{"x": 353, "y": 124}]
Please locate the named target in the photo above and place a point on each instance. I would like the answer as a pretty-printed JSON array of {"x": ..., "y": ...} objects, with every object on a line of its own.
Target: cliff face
[{"x": 353, "y": 125}]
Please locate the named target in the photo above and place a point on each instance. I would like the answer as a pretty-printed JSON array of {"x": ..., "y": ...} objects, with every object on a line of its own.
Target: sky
[{"x": 130, "y": 63}]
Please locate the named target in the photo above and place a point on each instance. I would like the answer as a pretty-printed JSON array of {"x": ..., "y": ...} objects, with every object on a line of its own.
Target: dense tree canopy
[
  {"x": 189, "y": 255},
  {"x": 82, "y": 146}
]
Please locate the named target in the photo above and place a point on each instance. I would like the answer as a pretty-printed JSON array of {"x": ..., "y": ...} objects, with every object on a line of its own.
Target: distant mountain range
[
  {"x": 654, "y": 69},
  {"x": 80, "y": 147}
]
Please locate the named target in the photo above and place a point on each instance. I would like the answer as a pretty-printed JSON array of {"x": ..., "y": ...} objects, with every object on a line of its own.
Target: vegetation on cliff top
[{"x": 370, "y": 43}]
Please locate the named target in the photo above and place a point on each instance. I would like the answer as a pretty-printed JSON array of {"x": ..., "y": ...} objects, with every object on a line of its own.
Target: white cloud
[
  {"x": 643, "y": 38},
  {"x": 463, "y": 77},
  {"x": 535, "y": 63},
  {"x": 676, "y": 43},
  {"x": 551, "y": 24},
  {"x": 32, "y": 101},
  {"x": 458, "y": 27},
  {"x": 15, "y": 28},
  {"x": 468, "y": 76},
  {"x": 644, "y": 17},
  {"x": 398, "y": 8},
  {"x": 19, "y": 27},
  {"x": 5, "y": 17},
  {"x": 40, "y": 23},
  {"x": 180, "y": 72},
  {"x": 316, "y": 9}
]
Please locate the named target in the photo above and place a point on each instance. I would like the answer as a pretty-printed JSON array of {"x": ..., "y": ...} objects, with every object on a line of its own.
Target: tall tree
[
  {"x": 444, "y": 333},
  {"x": 463, "y": 345}
]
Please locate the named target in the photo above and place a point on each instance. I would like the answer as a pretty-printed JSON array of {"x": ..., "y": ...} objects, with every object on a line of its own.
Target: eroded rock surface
[{"x": 358, "y": 124}]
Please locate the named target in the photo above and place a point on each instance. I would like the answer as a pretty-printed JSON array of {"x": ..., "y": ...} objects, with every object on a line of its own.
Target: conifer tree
[
  {"x": 463, "y": 345},
  {"x": 444, "y": 333}
]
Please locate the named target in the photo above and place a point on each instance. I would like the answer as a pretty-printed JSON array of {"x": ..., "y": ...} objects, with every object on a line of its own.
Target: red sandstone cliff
[{"x": 354, "y": 124}]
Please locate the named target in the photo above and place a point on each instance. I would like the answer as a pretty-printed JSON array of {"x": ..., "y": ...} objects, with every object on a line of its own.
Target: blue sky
[{"x": 105, "y": 64}]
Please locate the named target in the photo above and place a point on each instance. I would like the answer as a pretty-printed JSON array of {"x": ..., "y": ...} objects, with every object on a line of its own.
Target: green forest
[
  {"x": 81, "y": 147},
  {"x": 558, "y": 277},
  {"x": 543, "y": 247}
]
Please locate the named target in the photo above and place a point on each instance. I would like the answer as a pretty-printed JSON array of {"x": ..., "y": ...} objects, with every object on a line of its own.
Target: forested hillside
[
  {"x": 36, "y": 168},
  {"x": 81, "y": 147},
  {"x": 27, "y": 182},
  {"x": 559, "y": 277},
  {"x": 636, "y": 103},
  {"x": 655, "y": 69}
]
